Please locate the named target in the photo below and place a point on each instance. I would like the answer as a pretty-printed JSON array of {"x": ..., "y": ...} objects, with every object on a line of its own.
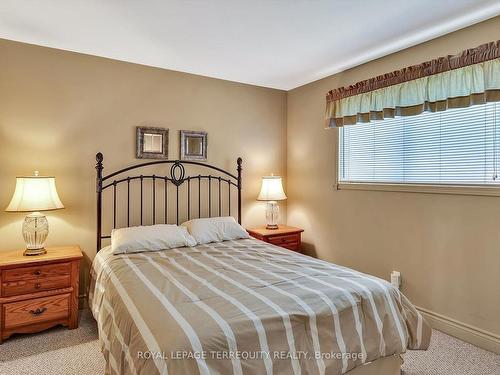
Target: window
[{"x": 454, "y": 147}]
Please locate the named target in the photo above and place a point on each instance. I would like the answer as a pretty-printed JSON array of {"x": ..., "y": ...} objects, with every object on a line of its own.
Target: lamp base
[
  {"x": 33, "y": 252},
  {"x": 272, "y": 215},
  {"x": 35, "y": 231}
]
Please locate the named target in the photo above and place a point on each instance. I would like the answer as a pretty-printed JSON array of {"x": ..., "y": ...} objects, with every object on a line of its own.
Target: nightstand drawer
[
  {"x": 41, "y": 271},
  {"x": 13, "y": 288},
  {"x": 283, "y": 240},
  {"x": 36, "y": 310}
]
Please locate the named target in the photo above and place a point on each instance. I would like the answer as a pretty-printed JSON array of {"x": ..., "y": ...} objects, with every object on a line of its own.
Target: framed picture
[
  {"x": 151, "y": 143},
  {"x": 193, "y": 145}
]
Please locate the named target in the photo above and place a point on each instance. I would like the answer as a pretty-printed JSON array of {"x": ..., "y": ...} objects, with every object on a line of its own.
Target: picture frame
[
  {"x": 193, "y": 145},
  {"x": 151, "y": 143}
]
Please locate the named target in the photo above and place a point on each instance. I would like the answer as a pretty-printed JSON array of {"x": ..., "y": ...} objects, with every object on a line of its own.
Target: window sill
[{"x": 487, "y": 190}]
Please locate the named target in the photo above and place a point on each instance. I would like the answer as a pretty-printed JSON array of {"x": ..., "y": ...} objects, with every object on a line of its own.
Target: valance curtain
[{"x": 471, "y": 77}]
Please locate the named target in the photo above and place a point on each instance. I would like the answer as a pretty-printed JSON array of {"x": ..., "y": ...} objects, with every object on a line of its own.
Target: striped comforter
[{"x": 245, "y": 307}]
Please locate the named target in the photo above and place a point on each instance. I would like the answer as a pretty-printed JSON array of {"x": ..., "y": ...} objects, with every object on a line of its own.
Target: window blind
[{"x": 456, "y": 146}]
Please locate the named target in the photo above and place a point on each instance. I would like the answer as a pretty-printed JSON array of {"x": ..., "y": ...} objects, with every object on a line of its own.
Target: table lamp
[
  {"x": 272, "y": 191},
  {"x": 34, "y": 194}
]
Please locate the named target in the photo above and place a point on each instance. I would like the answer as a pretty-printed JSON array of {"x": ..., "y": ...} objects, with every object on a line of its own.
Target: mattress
[{"x": 245, "y": 307}]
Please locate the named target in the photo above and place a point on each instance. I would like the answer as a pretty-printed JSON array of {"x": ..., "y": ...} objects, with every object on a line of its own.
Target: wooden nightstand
[
  {"x": 38, "y": 292},
  {"x": 284, "y": 236}
]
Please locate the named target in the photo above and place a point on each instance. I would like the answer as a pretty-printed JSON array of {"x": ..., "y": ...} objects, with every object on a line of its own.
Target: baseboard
[{"x": 473, "y": 335}]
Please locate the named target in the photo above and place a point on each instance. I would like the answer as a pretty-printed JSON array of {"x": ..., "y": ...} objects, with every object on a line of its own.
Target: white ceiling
[{"x": 274, "y": 43}]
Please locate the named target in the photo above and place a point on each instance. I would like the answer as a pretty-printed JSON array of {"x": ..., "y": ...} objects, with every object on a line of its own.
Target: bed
[{"x": 242, "y": 306}]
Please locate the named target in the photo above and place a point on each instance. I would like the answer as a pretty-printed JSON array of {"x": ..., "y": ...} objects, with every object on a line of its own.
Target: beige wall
[
  {"x": 57, "y": 109},
  {"x": 446, "y": 246}
]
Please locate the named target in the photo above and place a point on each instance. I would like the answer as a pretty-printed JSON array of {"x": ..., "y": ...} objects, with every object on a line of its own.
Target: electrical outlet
[{"x": 396, "y": 279}]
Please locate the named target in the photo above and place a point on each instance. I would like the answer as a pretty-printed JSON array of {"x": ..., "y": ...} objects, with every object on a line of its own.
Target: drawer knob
[
  {"x": 38, "y": 311},
  {"x": 37, "y": 286},
  {"x": 37, "y": 272}
]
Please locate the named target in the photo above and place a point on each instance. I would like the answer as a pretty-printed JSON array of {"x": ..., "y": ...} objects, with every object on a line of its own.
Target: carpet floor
[{"x": 61, "y": 351}]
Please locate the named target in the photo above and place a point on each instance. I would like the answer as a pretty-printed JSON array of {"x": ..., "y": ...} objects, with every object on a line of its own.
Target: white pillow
[
  {"x": 150, "y": 238},
  {"x": 215, "y": 229}
]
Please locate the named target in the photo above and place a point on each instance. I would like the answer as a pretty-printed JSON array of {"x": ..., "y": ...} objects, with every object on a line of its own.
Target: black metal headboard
[{"x": 176, "y": 179}]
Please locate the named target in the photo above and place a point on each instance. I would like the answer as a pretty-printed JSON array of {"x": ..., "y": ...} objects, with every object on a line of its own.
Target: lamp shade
[
  {"x": 272, "y": 189},
  {"x": 35, "y": 193}
]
